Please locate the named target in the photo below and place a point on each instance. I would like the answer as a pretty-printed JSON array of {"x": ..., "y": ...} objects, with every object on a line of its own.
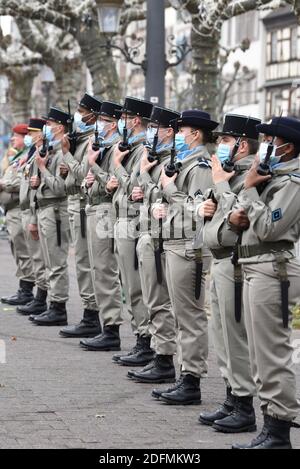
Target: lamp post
[
  {"x": 47, "y": 80},
  {"x": 156, "y": 52},
  {"x": 155, "y": 63}
]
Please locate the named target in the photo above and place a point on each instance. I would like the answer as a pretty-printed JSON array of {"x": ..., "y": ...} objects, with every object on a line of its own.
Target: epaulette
[
  {"x": 295, "y": 177},
  {"x": 203, "y": 163}
]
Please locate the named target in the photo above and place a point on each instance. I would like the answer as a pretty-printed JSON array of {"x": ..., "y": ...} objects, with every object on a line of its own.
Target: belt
[
  {"x": 265, "y": 248},
  {"x": 222, "y": 253},
  {"x": 24, "y": 207},
  {"x": 101, "y": 199},
  {"x": 42, "y": 203},
  {"x": 129, "y": 216},
  {"x": 11, "y": 205}
]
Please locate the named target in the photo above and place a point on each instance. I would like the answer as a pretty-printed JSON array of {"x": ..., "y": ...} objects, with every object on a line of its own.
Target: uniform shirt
[
  {"x": 194, "y": 178},
  {"x": 149, "y": 182},
  {"x": 52, "y": 184},
  {"x": 10, "y": 182},
  {"x": 102, "y": 170},
  {"x": 78, "y": 164},
  {"x": 127, "y": 178},
  {"x": 274, "y": 215},
  {"x": 217, "y": 233}
]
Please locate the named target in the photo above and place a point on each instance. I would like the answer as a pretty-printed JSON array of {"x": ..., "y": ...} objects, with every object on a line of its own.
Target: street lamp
[
  {"x": 109, "y": 15},
  {"x": 47, "y": 80},
  {"x": 155, "y": 63}
]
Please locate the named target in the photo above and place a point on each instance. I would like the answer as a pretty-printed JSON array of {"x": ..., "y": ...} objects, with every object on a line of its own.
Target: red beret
[{"x": 21, "y": 129}]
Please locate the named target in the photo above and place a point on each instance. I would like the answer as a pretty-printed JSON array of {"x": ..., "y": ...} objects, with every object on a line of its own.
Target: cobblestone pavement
[{"x": 55, "y": 395}]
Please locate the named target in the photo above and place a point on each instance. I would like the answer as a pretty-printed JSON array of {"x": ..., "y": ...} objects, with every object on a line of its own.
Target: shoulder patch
[
  {"x": 203, "y": 163},
  {"x": 276, "y": 215}
]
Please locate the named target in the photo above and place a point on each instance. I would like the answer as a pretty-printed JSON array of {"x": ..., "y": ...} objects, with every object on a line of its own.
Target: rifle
[
  {"x": 228, "y": 165},
  {"x": 124, "y": 145},
  {"x": 96, "y": 145},
  {"x": 173, "y": 167},
  {"x": 44, "y": 150},
  {"x": 264, "y": 169},
  {"x": 71, "y": 134},
  {"x": 152, "y": 155}
]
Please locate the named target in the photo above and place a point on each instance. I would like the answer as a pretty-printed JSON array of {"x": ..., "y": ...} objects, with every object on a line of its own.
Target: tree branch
[{"x": 35, "y": 10}]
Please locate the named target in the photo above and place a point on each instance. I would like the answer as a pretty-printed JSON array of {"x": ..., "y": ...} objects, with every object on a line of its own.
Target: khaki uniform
[
  {"x": 156, "y": 296},
  {"x": 100, "y": 231},
  {"x": 126, "y": 236},
  {"x": 9, "y": 199},
  {"x": 230, "y": 337},
  {"x": 52, "y": 211},
  {"x": 78, "y": 169},
  {"x": 179, "y": 234},
  {"x": 274, "y": 217}
]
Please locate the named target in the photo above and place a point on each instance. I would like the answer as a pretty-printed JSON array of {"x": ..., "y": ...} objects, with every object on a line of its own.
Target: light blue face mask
[
  {"x": 28, "y": 141},
  {"x": 80, "y": 125},
  {"x": 137, "y": 138},
  {"x": 180, "y": 143},
  {"x": 184, "y": 154},
  {"x": 47, "y": 132},
  {"x": 150, "y": 134},
  {"x": 102, "y": 129},
  {"x": 223, "y": 152},
  {"x": 121, "y": 126},
  {"x": 274, "y": 159}
]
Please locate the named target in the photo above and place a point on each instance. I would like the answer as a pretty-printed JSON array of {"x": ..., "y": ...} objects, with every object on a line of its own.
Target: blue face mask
[
  {"x": 180, "y": 143},
  {"x": 28, "y": 141},
  {"x": 184, "y": 154},
  {"x": 121, "y": 126},
  {"x": 137, "y": 138},
  {"x": 274, "y": 159},
  {"x": 80, "y": 125},
  {"x": 102, "y": 129},
  {"x": 223, "y": 152},
  {"x": 151, "y": 132},
  {"x": 47, "y": 132}
]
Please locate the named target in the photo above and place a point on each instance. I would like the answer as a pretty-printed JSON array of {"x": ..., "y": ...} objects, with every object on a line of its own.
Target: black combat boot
[
  {"x": 160, "y": 370},
  {"x": 56, "y": 315},
  {"x": 37, "y": 306},
  {"x": 274, "y": 435},
  {"x": 89, "y": 326},
  {"x": 133, "y": 351},
  {"x": 23, "y": 296},
  {"x": 108, "y": 340},
  {"x": 188, "y": 392},
  {"x": 143, "y": 355},
  {"x": 156, "y": 393},
  {"x": 241, "y": 419},
  {"x": 208, "y": 418}
]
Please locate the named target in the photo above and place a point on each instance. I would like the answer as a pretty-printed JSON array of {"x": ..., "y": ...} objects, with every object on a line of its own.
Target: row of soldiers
[{"x": 149, "y": 210}]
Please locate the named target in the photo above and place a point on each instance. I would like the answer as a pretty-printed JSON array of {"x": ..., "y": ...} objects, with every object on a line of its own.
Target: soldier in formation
[{"x": 151, "y": 210}]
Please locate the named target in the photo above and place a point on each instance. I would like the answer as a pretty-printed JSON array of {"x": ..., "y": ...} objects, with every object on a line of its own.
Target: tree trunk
[
  {"x": 99, "y": 62},
  {"x": 205, "y": 71},
  {"x": 68, "y": 82},
  {"x": 20, "y": 86}
]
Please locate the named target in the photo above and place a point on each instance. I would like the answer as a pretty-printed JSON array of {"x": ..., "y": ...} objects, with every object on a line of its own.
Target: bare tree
[
  {"x": 60, "y": 52},
  {"x": 81, "y": 22},
  {"x": 21, "y": 66},
  {"x": 206, "y": 18}
]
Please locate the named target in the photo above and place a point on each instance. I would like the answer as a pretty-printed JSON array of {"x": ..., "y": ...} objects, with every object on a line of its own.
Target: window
[
  {"x": 246, "y": 26},
  {"x": 294, "y": 43},
  {"x": 274, "y": 44}
]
